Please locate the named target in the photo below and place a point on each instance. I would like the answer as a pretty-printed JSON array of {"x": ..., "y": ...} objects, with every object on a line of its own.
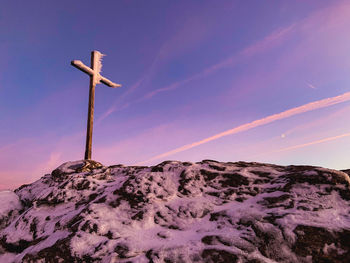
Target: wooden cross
[{"x": 95, "y": 78}]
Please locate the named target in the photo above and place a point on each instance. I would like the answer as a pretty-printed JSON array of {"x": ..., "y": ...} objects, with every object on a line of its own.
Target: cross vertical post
[{"x": 95, "y": 78}]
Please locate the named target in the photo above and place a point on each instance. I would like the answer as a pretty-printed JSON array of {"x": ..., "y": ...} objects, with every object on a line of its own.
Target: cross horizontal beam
[{"x": 80, "y": 65}]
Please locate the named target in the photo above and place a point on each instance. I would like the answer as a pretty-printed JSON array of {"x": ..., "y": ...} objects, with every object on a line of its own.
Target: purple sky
[{"x": 190, "y": 70}]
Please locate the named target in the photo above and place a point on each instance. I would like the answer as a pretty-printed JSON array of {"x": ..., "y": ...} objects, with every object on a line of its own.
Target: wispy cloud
[
  {"x": 311, "y": 86},
  {"x": 308, "y": 144},
  {"x": 279, "y": 116},
  {"x": 274, "y": 38},
  {"x": 315, "y": 123},
  {"x": 267, "y": 42},
  {"x": 331, "y": 15},
  {"x": 114, "y": 107},
  {"x": 188, "y": 36}
]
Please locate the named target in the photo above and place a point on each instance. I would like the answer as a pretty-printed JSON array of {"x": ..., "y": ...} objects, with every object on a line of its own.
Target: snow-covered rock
[
  {"x": 10, "y": 205},
  {"x": 179, "y": 212}
]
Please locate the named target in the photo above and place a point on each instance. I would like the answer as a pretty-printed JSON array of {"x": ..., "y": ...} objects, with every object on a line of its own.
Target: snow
[
  {"x": 7, "y": 257},
  {"x": 68, "y": 167},
  {"x": 8, "y": 201},
  {"x": 177, "y": 210},
  {"x": 98, "y": 61}
]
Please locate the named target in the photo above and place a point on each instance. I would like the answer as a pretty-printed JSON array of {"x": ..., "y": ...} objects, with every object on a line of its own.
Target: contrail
[
  {"x": 311, "y": 143},
  {"x": 234, "y": 59},
  {"x": 279, "y": 116}
]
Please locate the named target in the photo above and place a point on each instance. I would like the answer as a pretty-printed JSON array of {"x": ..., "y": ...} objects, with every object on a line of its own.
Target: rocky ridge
[{"x": 179, "y": 212}]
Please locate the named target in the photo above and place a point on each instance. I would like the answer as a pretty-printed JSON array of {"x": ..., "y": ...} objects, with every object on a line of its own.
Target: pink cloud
[
  {"x": 271, "y": 40},
  {"x": 190, "y": 34},
  {"x": 328, "y": 139},
  {"x": 328, "y": 16},
  {"x": 30, "y": 158},
  {"x": 279, "y": 116},
  {"x": 128, "y": 151},
  {"x": 320, "y": 121}
]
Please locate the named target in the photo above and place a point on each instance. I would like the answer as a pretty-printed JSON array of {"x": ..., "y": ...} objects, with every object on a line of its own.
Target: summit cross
[{"x": 95, "y": 78}]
